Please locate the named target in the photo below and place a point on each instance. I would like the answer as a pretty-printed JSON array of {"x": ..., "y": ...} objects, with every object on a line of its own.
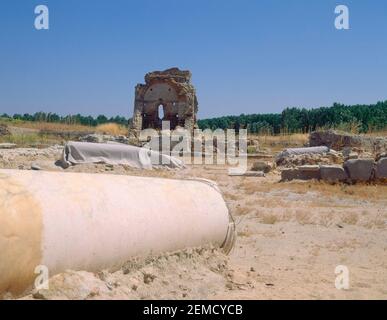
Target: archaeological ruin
[{"x": 166, "y": 96}]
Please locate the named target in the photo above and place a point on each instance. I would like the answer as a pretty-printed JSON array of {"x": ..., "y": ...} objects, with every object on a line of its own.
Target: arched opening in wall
[
  {"x": 145, "y": 122},
  {"x": 160, "y": 116},
  {"x": 160, "y": 112}
]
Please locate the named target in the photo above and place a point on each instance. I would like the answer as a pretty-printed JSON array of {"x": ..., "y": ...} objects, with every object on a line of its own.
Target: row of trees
[
  {"x": 361, "y": 118},
  {"x": 69, "y": 119}
]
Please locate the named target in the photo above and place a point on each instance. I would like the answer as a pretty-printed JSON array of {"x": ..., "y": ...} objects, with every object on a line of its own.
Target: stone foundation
[{"x": 353, "y": 171}]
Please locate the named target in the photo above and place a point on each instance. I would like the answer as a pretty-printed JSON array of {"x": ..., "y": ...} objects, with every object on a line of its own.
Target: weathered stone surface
[
  {"x": 302, "y": 151},
  {"x": 359, "y": 169},
  {"x": 253, "y": 142},
  {"x": 309, "y": 168},
  {"x": 247, "y": 174},
  {"x": 170, "y": 89},
  {"x": 301, "y": 173},
  {"x": 380, "y": 156},
  {"x": 254, "y": 174},
  {"x": 103, "y": 138},
  {"x": 262, "y": 166},
  {"x": 365, "y": 155},
  {"x": 353, "y": 155},
  {"x": 381, "y": 169},
  {"x": 340, "y": 140},
  {"x": 308, "y": 156},
  {"x": 333, "y": 173},
  {"x": 35, "y": 167}
]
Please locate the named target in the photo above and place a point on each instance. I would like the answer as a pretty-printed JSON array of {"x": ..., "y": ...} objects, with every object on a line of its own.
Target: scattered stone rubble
[
  {"x": 104, "y": 138},
  {"x": 25, "y": 158},
  {"x": 294, "y": 157},
  {"x": 362, "y": 159},
  {"x": 353, "y": 170},
  {"x": 339, "y": 140}
]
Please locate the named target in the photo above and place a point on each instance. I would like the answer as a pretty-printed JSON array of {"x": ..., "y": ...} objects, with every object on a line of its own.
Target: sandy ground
[{"x": 291, "y": 237}]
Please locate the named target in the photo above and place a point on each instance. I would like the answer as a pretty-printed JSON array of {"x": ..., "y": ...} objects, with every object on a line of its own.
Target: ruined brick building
[{"x": 166, "y": 96}]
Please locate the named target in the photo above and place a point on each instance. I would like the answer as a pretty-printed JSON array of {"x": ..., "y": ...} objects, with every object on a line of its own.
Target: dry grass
[
  {"x": 241, "y": 211},
  {"x": 278, "y": 142},
  {"x": 269, "y": 219},
  {"x": 230, "y": 196},
  {"x": 281, "y": 141},
  {"x": 112, "y": 129},
  {"x": 296, "y": 138},
  {"x": 50, "y": 126},
  {"x": 25, "y": 140},
  {"x": 377, "y": 134},
  {"x": 107, "y": 128},
  {"x": 245, "y": 233},
  {"x": 303, "y": 216},
  {"x": 358, "y": 191},
  {"x": 351, "y": 218}
]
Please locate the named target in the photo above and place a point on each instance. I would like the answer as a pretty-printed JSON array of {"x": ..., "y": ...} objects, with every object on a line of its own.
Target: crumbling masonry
[{"x": 166, "y": 96}]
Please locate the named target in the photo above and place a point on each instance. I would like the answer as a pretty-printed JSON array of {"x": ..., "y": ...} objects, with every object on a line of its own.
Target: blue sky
[{"x": 246, "y": 56}]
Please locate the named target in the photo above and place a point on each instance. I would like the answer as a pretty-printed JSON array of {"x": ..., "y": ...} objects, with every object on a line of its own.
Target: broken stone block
[
  {"x": 333, "y": 173},
  {"x": 35, "y": 167},
  {"x": 309, "y": 168},
  {"x": 352, "y": 155},
  {"x": 308, "y": 172},
  {"x": 359, "y": 169},
  {"x": 289, "y": 174},
  {"x": 380, "y": 156},
  {"x": 262, "y": 166},
  {"x": 381, "y": 169},
  {"x": 365, "y": 155},
  {"x": 254, "y": 174},
  {"x": 300, "y": 152}
]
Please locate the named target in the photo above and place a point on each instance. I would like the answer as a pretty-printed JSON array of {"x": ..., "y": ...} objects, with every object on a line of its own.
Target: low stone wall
[
  {"x": 308, "y": 156},
  {"x": 339, "y": 140},
  {"x": 353, "y": 170}
]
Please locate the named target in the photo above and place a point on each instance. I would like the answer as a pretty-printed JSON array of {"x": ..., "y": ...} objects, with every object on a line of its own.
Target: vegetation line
[{"x": 356, "y": 119}]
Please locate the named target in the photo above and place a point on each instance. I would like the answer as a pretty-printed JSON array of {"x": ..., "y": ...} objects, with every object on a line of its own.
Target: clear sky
[{"x": 246, "y": 56}]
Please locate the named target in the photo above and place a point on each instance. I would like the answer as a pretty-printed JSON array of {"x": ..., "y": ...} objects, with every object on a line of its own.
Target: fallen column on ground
[
  {"x": 93, "y": 221},
  {"x": 306, "y": 150},
  {"x": 116, "y": 153},
  {"x": 294, "y": 152}
]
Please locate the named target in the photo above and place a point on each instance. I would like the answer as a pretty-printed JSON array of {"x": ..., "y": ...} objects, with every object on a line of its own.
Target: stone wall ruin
[{"x": 166, "y": 96}]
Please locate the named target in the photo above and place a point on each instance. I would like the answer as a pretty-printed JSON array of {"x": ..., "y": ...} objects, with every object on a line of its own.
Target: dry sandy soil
[{"x": 291, "y": 236}]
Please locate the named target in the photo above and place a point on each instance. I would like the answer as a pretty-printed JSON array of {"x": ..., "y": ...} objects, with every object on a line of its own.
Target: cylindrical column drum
[{"x": 89, "y": 222}]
